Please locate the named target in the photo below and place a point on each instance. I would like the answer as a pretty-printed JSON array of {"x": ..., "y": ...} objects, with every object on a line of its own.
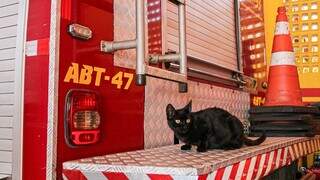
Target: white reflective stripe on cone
[
  {"x": 282, "y": 28},
  {"x": 282, "y": 58}
]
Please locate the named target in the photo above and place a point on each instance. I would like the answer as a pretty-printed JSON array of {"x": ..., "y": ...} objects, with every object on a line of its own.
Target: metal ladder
[{"x": 139, "y": 44}]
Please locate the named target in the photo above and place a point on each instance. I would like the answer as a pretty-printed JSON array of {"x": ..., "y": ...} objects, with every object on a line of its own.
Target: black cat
[{"x": 212, "y": 128}]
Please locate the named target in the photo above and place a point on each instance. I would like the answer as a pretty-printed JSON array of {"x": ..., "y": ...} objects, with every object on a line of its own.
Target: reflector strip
[
  {"x": 284, "y": 158},
  {"x": 220, "y": 173},
  {"x": 37, "y": 47},
  {"x": 92, "y": 175},
  {"x": 31, "y": 48},
  {"x": 282, "y": 58},
  {"x": 270, "y": 162},
  {"x": 245, "y": 169},
  {"x": 282, "y": 28},
  {"x": 279, "y": 155},
  {"x": 240, "y": 169},
  {"x": 251, "y": 168},
  {"x": 227, "y": 172},
  {"x": 255, "y": 167},
  {"x": 212, "y": 175},
  {"x": 309, "y": 147},
  {"x": 261, "y": 165},
  {"x": 291, "y": 152}
]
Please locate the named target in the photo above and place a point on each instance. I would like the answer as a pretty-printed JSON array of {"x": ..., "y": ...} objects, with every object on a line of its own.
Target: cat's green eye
[{"x": 177, "y": 121}]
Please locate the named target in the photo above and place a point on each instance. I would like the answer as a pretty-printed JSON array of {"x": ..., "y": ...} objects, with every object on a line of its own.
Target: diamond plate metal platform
[{"x": 159, "y": 93}]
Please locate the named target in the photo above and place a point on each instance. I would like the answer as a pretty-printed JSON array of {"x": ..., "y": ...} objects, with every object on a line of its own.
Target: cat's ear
[
  {"x": 170, "y": 111},
  {"x": 188, "y": 107}
]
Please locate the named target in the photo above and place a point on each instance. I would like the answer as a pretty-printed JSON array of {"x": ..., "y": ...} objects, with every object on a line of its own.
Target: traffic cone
[{"x": 283, "y": 82}]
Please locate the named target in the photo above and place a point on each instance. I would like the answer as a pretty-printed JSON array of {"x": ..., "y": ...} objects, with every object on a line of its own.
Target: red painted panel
[
  {"x": 310, "y": 92},
  {"x": 154, "y": 27},
  {"x": 35, "y": 118},
  {"x": 36, "y": 94},
  {"x": 38, "y": 19},
  {"x": 115, "y": 176},
  {"x": 71, "y": 174},
  {"x": 122, "y": 110},
  {"x": 254, "y": 62}
]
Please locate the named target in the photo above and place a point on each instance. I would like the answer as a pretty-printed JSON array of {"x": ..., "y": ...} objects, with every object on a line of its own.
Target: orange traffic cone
[{"x": 283, "y": 82}]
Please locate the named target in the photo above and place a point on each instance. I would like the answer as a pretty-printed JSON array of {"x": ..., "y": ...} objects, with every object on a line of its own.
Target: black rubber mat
[
  {"x": 284, "y": 109},
  {"x": 283, "y": 120}
]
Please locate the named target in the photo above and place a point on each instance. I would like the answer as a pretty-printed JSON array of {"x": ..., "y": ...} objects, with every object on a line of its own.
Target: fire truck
[{"x": 82, "y": 79}]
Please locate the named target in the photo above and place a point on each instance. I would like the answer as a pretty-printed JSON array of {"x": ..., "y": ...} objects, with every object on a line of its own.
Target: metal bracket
[
  {"x": 180, "y": 57},
  {"x": 138, "y": 43},
  {"x": 111, "y": 46},
  {"x": 155, "y": 59},
  {"x": 183, "y": 87},
  {"x": 239, "y": 78},
  {"x": 178, "y": 1},
  {"x": 247, "y": 83}
]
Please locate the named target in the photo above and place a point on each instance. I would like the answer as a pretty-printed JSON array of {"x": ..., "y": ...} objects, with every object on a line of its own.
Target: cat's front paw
[
  {"x": 201, "y": 149},
  {"x": 186, "y": 147}
]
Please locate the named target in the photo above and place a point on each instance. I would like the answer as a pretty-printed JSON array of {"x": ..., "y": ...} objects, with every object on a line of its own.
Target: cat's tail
[{"x": 250, "y": 142}]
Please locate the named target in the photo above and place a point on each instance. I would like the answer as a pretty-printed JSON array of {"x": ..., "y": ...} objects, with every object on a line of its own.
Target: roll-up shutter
[{"x": 211, "y": 35}]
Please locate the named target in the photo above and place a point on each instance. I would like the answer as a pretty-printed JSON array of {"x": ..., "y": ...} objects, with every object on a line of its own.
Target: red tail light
[{"x": 82, "y": 117}]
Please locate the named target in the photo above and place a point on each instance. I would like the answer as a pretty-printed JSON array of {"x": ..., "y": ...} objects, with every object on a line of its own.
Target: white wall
[{"x": 11, "y": 55}]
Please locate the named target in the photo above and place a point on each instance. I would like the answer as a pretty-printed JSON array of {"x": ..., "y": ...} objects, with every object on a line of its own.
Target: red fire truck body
[
  {"x": 80, "y": 101},
  {"x": 46, "y": 86},
  {"x": 57, "y": 62}
]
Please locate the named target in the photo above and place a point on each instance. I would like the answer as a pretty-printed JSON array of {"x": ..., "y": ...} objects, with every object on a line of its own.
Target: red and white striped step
[{"x": 171, "y": 163}]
